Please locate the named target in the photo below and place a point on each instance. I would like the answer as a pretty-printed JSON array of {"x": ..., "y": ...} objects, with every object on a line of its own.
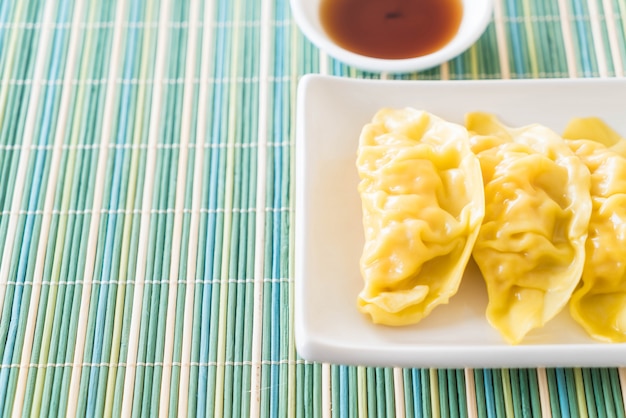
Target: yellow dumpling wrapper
[
  {"x": 531, "y": 245},
  {"x": 599, "y": 305},
  {"x": 422, "y": 200},
  {"x": 595, "y": 129}
]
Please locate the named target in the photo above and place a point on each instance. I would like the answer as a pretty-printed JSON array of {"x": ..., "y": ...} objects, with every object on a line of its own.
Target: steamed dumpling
[
  {"x": 595, "y": 129},
  {"x": 531, "y": 245},
  {"x": 423, "y": 203},
  {"x": 599, "y": 305}
]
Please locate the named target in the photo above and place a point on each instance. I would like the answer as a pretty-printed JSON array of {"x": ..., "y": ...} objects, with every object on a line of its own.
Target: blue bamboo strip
[
  {"x": 585, "y": 48},
  {"x": 17, "y": 98},
  {"x": 29, "y": 230},
  {"x": 417, "y": 392},
  {"x": 562, "y": 392},
  {"x": 488, "y": 382},
  {"x": 47, "y": 305},
  {"x": 571, "y": 392}
]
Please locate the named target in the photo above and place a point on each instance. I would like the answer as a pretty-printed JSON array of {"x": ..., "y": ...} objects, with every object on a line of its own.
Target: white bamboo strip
[
  {"x": 503, "y": 50},
  {"x": 544, "y": 394},
  {"x": 146, "y": 204},
  {"x": 181, "y": 180},
  {"x": 398, "y": 390},
  {"x": 203, "y": 100},
  {"x": 568, "y": 43},
  {"x": 51, "y": 191},
  {"x": 261, "y": 175},
  {"x": 43, "y": 51},
  {"x": 598, "y": 41},
  {"x": 470, "y": 393},
  {"x": 90, "y": 259}
]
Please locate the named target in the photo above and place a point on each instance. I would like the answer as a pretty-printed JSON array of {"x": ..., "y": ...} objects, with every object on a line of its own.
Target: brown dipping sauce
[{"x": 392, "y": 29}]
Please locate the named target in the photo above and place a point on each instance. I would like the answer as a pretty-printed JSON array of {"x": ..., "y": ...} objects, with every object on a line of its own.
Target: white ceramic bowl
[{"x": 476, "y": 17}]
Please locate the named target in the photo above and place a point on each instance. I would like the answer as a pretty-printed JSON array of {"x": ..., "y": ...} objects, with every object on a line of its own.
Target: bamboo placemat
[{"x": 146, "y": 198}]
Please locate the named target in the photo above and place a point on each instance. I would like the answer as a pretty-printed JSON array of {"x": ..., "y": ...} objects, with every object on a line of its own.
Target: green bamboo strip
[
  {"x": 238, "y": 272},
  {"x": 611, "y": 38},
  {"x": 584, "y": 36},
  {"x": 549, "y": 28},
  {"x": 127, "y": 199},
  {"x": 159, "y": 255},
  {"x": 262, "y": 172},
  {"x": 621, "y": 23},
  {"x": 20, "y": 324},
  {"x": 181, "y": 178},
  {"x": 501, "y": 41},
  {"x": 571, "y": 392},
  {"x": 205, "y": 124},
  {"x": 370, "y": 384},
  {"x": 618, "y": 400},
  {"x": 188, "y": 379},
  {"x": 481, "y": 402},
  {"x": 55, "y": 384},
  {"x": 145, "y": 227},
  {"x": 427, "y": 409},
  {"x": 409, "y": 407},
  {"x": 568, "y": 39},
  {"x": 219, "y": 303},
  {"x": 598, "y": 39},
  {"x": 499, "y": 392},
  {"x": 293, "y": 88},
  {"x": 26, "y": 298},
  {"x": 609, "y": 401},
  {"x": 7, "y": 57},
  {"x": 318, "y": 387},
  {"x": 434, "y": 392},
  {"x": 141, "y": 136},
  {"x": 335, "y": 390},
  {"x": 97, "y": 380},
  {"x": 166, "y": 230},
  {"x": 589, "y": 393},
  {"x": 443, "y": 400},
  {"x": 251, "y": 135},
  {"x": 553, "y": 390},
  {"x": 535, "y": 401},
  {"x": 453, "y": 396},
  {"x": 11, "y": 235},
  {"x": 462, "y": 394},
  {"x": 598, "y": 393},
  {"x": 528, "y": 12},
  {"x": 507, "y": 393},
  {"x": 86, "y": 383},
  {"x": 35, "y": 379},
  {"x": 580, "y": 393},
  {"x": 180, "y": 374}
]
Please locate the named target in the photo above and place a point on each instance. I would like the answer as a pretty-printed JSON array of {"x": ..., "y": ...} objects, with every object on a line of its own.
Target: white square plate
[{"x": 329, "y": 237}]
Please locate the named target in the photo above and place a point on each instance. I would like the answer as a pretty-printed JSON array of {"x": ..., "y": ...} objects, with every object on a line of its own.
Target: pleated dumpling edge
[{"x": 422, "y": 203}]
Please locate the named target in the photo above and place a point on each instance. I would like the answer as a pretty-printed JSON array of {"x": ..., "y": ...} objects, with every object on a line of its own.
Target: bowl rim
[{"x": 449, "y": 51}]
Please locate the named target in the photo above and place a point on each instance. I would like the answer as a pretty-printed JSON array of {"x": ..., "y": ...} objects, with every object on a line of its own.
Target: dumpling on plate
[
  {"x": 599, "y": 305},
  {"x": 595, "y": 129},
  {"x": 422, "y": 204},
  {"x": 531, "y": 245}
]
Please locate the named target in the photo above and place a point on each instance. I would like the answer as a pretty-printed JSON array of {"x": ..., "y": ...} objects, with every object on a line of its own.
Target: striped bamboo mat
[{"x": 146, "y": 212}]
